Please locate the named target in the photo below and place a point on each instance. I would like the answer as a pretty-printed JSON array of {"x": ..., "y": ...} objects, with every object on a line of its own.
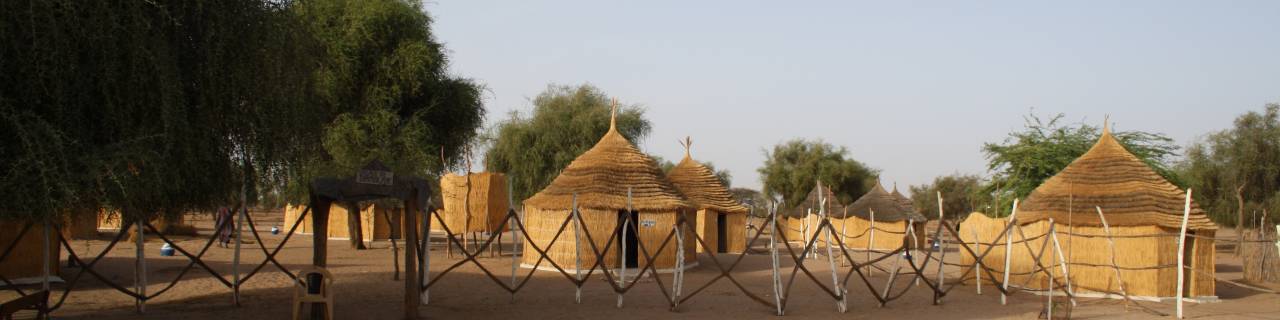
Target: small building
[
  {"x": 374, "y": 224},
  {"x": 888, "y": 214},
  {"x": 24, "y": 264},
  {"x": 476, "y": 202},
  {"x": 807, "y": 216},
  {"x": 722, "y": 222},
  {"x": 1143, "y": 211},
  {"x": 610, "y": 183}
]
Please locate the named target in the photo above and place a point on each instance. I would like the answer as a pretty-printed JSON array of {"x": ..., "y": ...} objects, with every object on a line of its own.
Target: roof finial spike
[
  {"x": 895, "y": 186},
  {"x": 1106, "y": 124},
  {"x": 687, "y": 143},
  {"x": 613, "y": 116}
]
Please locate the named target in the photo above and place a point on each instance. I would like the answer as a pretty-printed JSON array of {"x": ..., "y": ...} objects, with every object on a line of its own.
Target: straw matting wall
[
  {"x": 373, "y": 222},
  {"x": 1108, "y": 176},
  {"x": 1261, "y": 259},
  {"x": 890, "y": 235},
  {"x": 24, "y": 260},
  {"x": 735, "y": 231},
  {"x": 1090, "y": 256},
  {"x": 81, "y": 226},
  {"x": 653, "y": 229},
  {"x": 487, "y": 201}
]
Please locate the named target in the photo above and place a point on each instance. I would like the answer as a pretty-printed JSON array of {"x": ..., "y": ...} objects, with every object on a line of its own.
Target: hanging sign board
[
  {"x": 648, "y": 223},
  {"x": 376, "y": 174}
]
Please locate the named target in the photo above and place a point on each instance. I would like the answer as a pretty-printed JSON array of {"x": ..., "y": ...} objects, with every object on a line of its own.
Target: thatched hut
[
  {"x": 23, "y": 264},
  {"x": 601, "y": 179},
  {"x": 892, "y": 215},
  {"x": 481, "y": 209},
  {"x": 721, "y": 221},
  {"x": 805, "y": 217},
  {"x": 1143, "y": 210}
]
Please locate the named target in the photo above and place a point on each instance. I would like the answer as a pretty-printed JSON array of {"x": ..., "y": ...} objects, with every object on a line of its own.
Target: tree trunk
[
  {"x": 354, "y": 228},
  {"x": 1240, "y": 218}
]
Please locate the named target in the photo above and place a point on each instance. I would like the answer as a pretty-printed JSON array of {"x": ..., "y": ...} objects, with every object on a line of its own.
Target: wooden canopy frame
[{"x": 374, "y": 181}]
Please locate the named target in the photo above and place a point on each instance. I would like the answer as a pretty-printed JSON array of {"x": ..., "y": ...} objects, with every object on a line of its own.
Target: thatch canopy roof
[
  {"x": 701, "y": 187},
  {"x": 814, "y": 200},
  {"x": 1108, "y": 176},
  {"x": 601, "y": 177},
  {"x": 903, "y": 200},
  {"x": 887, "y": 206}
]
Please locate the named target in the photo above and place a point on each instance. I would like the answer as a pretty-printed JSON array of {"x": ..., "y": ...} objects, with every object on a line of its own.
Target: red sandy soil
[{"x": 365, "y": 289}]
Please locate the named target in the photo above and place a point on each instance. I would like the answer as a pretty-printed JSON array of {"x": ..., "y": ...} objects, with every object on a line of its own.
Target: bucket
[{"x": 166, "y": 250}]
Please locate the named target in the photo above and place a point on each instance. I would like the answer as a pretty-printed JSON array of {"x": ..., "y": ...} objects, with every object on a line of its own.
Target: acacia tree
[
  {"x": 792, "y": 169},
  {"x": 384, "y": 79},
  {"x": 961, "y": 194},
  {"x": 1027, "y": 158},
  {"x": 1236, "y": 172},
  {"x": 566, "y": 121}
]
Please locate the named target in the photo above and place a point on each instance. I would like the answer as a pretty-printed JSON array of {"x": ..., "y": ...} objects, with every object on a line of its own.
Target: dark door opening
[
  {"x": 630, "y": 240},
  {"x": 722, "y": 234}
]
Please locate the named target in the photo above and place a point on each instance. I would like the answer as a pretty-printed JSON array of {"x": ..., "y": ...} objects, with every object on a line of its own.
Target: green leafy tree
[
  {"x": 383, "y": 77},
  {"x": 961, "y": 194},
  {"x": 1027, "y": 158},
  {"x": 148, "y": 107},
  {"x": 793, "y": 168},
  {"x": 566, "y": 121},
  {"x": 1236, "y": 172}
]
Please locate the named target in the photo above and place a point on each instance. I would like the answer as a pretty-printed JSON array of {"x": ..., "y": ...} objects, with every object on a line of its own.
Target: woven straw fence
[
  {"x": 24, "y": 260},
  {"x": 487, "y": 200},
  {"x": 1261, "y": 258}
]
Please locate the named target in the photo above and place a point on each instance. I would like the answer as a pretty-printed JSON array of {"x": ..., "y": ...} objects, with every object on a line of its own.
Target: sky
[{"x": 911, "y": 88}]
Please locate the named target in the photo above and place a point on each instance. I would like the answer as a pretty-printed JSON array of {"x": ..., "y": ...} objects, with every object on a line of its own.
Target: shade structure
[
  {"x": 599, "y": 181},
  {"x": 1143, "y": 210},
  {"x": 475, "y": 202},
  {"x": 721, "y": 221}
]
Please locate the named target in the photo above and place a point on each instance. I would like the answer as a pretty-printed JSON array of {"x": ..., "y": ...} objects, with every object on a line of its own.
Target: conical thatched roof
[
  {"x": 888, "y": 207},
  {"x": 698, "y": 184},
  {"x": 903, "y": 200},
  {"x": 1108, "y": 176},
  {"x": 601, "y": 176},
  {"x": 815, "y": 199}
]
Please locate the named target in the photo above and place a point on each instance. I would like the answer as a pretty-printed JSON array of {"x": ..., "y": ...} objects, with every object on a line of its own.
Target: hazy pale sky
[{"x": 911, "y": 88}]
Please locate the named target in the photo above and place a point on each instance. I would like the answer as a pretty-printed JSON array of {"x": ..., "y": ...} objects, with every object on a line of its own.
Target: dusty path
[{"x": 365, "y": 290}]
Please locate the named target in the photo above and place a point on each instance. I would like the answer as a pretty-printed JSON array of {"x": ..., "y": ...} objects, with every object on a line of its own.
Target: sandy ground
[{"x": 365, "y": 290}]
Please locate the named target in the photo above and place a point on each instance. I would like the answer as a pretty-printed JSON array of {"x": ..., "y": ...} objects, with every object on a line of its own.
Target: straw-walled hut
[
  {"x": 891, "y": 217},
  {"x": 600, "y": 181},
  {"x": 375, "y": 221},
  {"x": 24, "y": 261},
  {"x": 1144, "y": 212},
  {"x": 805, "y": 217},
  {"x": 721, "y": 221},
  {"x": 486, "y": 200}
]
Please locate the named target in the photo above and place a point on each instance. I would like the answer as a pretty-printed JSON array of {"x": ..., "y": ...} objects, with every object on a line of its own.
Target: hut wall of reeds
[
  {"x": 605, "y": 184},
  {"x": 1089, "y": 255},
  {"x": 25, "y": 259},
  {"x": 374, "y": 224},
  {"x": 889, "y": 235},
  {"x": 487, "y": 201},
  {"x": 81, "y": 226},
  {"x": 893, "y": 213}
]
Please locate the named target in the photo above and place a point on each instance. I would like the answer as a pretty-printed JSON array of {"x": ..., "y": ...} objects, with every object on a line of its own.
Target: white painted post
[
  {"x": 773, "y": 254},
  {"x": 871, "y": 240},
  {"x": 235, "y": 263},
  {"x": 844, "y": 237},
  {"x": 808, "y": 221},
  {"x": 942, "y": 246},
  {"x": 831, "y": 261},
  {"x": 1182, "y": 245},
  {"x": 914, "y": 246},
  {"x": 515, "y": 237},
  {"x": 1008, "y": 251},
  {"x": 1106, "y": 228},
  {"x": 678, "y": 275},
  {"x": 577, "y": 249},
  {"x": 1066, "y": 273},
  {"x": 425, "y": 259},
  {"x": 1278, "y": 238},
  {"x": 622, "y": 263},
  {"x": 977, "y": 247}
]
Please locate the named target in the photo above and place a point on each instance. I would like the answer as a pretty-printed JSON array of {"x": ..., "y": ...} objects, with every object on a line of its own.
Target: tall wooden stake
[
  {"x": 1008, "y": 251},
  {"x": 622, "y": 272},
  {"x": 871, "y": 240},
  {"x": 1066, "y": 274},
  {"x": 577, "y": 250},
  {"x": 515, "y": 239},
  {"x": 1182, "y": 245},
  {"x": 412, "y": 285},
  {"x": 773, "y": 254},
  {"x": 942, "y": 246},
  {"x": 424, "y": 270},
  {"x": 45, "y": 256},
  {"x": 977, "y": 246},
  {"x": 141, "y": 279}
]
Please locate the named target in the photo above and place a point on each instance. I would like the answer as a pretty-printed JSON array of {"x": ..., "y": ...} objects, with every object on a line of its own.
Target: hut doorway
[
  {"x": 721, "y": 234},
  {"x": 628, "y": 239}
]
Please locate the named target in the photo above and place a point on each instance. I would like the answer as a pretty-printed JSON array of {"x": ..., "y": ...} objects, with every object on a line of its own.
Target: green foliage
[
  {"x": 961, "y": 195},
  {"x": 566, "y": 121},
  {"x": 793, "y": 168},
  {"x": 1248, "y": 156},
  {"x": 1027, "y": 158},
  {"x": 383, "y": 82},
  {"x": 142, "y": 106},
  {"x": 752, "y": 199}
]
